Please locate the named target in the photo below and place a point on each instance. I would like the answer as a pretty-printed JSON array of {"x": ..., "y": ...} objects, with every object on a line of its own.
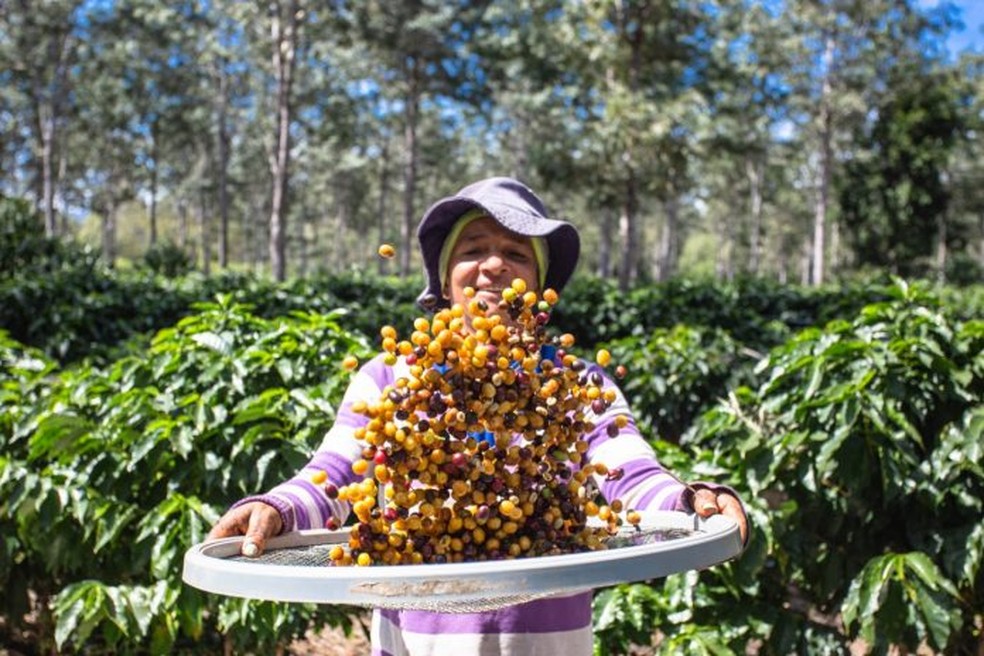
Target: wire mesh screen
[
  {"x": 297, "y": 567},
  {"x": 431, "y": 595}
]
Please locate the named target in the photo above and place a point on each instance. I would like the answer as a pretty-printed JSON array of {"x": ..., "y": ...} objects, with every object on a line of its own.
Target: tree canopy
[{"x": 797, "y": 140}]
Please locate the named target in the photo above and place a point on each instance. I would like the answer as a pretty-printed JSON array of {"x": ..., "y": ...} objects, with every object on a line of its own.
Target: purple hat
[{"x": 517, "y": 209}]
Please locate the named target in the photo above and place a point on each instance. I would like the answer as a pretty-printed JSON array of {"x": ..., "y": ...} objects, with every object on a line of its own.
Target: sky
[{"x": 972, "y": 16}]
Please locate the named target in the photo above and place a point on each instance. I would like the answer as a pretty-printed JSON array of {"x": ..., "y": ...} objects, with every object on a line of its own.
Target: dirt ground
[{"x": 332, "y": 642}]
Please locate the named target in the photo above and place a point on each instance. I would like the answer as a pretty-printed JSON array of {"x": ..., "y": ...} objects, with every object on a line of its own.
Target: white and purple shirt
[{"x": 554, "y": 626}]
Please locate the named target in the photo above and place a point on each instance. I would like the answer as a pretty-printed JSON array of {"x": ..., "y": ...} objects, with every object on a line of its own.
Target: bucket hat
[{"x": 517, "y": 209}]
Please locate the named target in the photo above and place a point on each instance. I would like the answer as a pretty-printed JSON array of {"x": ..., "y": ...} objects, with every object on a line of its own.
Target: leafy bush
[
  {"x": 110, "y": 475},
  {"x": 168, "y": 259},
  {"x": 865, "y": 442},
  {"x": 78, "y": 312},
  {"x": 676, "y": 374},
  {"x": 26, "y": 251},
  {"x": 759, "y": 314}
]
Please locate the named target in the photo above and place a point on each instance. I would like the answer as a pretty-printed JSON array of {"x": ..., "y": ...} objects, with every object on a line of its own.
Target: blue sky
[{"x": 972, "y": 16}]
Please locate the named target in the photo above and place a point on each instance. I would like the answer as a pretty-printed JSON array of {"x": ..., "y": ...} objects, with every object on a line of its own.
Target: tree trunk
[
  {"x": 722, "y": 259},
  {"x": 152, "y": 210},
  {"x": 223, "y": 164},
  {"x": 412, "y": 107},
  {"x": 205, "y": 232},
  {"x": 302, "y": 241},
  {"x": 109, "y": 233},
  {"x": 805, "y": 262},
  {"x": 980, "y": 249},
  {"x": 823, "y": 174},
  {"x": 382, "y": 266},
  {"x": 46, "y": 118},
  {"x": 631, "y": 30},
  {"x": 605, "y": 247},
  {"x": 66, "y": 228},
  {"x": 754, "y": 173},
  {"x": 283, "y": 32},
  {"x": 627, "y": 234},
  {"x": 666, "y": 257},
  {"x": 941, "y": 248},
  {"x": 182, "y": 223}
]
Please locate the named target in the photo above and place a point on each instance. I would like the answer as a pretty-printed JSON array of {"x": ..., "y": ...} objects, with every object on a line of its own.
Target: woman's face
[{"x": 487, "y": 258}]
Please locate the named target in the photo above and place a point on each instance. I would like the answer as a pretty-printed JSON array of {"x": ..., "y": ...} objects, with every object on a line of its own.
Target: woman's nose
[{"x": 493, "y": 262}]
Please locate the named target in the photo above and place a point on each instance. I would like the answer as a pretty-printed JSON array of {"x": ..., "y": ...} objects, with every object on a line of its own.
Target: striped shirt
[{"x": 553, "y": 626}]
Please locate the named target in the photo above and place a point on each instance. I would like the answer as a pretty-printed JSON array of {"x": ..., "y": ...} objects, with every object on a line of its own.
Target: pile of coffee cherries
[{"x": 477, "y": 453}]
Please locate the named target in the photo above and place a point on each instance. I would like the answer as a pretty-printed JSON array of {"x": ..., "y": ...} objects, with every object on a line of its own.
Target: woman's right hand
[{"x": 256, "y": 520}]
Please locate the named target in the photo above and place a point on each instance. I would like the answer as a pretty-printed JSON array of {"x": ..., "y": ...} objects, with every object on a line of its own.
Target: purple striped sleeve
[
  {"x": 637, "y": 473},
  {"x": 285, "y": 510},
  {"x": 339, "y": 469},
  {"x": 301, "y": 518}
]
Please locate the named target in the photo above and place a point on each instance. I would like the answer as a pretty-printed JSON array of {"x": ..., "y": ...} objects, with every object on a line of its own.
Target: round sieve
[{"x": 295, "y": 567}]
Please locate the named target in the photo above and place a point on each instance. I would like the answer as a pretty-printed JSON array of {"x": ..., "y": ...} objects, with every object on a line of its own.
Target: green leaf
[{"x": 219, "y": 343}]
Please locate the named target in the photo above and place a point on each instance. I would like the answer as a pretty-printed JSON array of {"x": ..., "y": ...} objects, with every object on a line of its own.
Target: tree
[
  {"x": 420, "y": 47},
  {"x": 738, "y": 153},
  {"x": 846, "y": 49},
  {"x": 894, "y": 196},
  {"x": 650, "y": 56},
  {"x": 38, "y": 49}
]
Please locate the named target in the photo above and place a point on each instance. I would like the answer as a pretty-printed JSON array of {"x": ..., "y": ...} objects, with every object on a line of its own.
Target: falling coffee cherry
[
  {"x": 450, "y": 485},
  {"x": 386, "y": 251}
]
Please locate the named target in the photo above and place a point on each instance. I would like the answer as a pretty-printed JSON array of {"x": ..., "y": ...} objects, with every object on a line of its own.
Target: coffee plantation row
[{"x": 136, "y": 407}]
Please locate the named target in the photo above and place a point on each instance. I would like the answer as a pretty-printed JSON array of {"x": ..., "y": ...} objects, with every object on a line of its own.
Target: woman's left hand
[{"x": 708, "y": 502}]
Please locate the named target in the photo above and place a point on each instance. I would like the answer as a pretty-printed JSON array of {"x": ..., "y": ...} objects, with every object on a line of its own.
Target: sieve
[{"x": 295, "y": 567}]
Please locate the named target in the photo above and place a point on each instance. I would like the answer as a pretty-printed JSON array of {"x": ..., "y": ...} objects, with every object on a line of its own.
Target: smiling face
[{"x": 487, "y": 258}]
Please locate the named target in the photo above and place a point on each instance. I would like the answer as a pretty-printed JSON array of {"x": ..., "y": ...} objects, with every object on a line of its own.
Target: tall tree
[
  {"x": 224, "y": 57},
  {"x": 419, "y": 44},
  {"x": 845, "y": 49},
  {"x": 893, "y": 196},
  {"x": 159, "y": 68},
  {"x": 746, "y": 102},
  {"x": 37, "y": 49},
  {"x": 285, "y": 20},
  {"x": 650, "y": 56}
]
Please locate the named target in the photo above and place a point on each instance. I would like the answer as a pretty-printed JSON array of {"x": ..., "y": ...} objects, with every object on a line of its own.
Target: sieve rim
[{"x": 210, "y": 566}]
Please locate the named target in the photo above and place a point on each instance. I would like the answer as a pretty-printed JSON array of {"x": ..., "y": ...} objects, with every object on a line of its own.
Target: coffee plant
[
  {"x": 136, "y": 408},
  {"x": 110, "y": 474},
  {"x": 862, "y": 448}
]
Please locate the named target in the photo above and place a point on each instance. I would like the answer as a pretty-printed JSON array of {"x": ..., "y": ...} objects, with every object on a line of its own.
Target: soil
[{"x": 333, "y": 642}]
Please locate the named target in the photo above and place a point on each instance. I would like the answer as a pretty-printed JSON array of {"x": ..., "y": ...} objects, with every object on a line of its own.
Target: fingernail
[
  {"x": 250, "y": 549},
  {"x": 707, "y": 507}
]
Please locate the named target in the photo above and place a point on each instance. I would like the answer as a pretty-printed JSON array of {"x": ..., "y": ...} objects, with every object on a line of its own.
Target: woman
[{"x": 479, "y": 240}]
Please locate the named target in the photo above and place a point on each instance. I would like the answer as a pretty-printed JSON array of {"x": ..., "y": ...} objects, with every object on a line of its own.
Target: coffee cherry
[
  {"x": 386, "y": 251},
  {"x": 484, "y": 457}
]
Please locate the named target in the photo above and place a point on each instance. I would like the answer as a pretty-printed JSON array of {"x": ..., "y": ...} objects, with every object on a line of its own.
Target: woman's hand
[
  {"x": 708, "y": 502},
  {"x": 255, "y": 520}
]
